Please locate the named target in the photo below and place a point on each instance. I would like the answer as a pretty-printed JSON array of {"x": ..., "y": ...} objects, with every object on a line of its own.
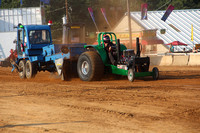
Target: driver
[
  {"x": 35, "y": 38},
  {"x": 108, "y": 48}
]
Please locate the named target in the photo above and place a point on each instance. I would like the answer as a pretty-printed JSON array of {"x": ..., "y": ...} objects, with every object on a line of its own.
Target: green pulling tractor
[{"x": 94, "y": 62}]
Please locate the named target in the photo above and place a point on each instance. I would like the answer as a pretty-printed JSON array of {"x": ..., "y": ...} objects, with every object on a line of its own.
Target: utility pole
[
  {"x": 129, "y": 24},
  {"x": 66, "y": 26},
  {"x": 66, "y": 6}
]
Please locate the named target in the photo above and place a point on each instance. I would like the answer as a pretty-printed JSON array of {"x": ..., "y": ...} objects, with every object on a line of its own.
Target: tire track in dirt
[{"x": 170, "y": 104}]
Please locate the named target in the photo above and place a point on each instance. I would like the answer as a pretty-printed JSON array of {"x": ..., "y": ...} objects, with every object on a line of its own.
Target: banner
[
  {"x": 92, "y": 16},
  {"x": 192, "y": 39},
  {"x": 144, "y": 11},
  {"x": 21, "y": 2},
  {"x": 104, "y": 14},
  {"x": 167, "y": 13},
  {"x": 0, "y": 2}
]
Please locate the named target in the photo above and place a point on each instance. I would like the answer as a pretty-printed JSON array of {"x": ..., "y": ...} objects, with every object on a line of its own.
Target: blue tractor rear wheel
[
  {"x": 31, "y": 70},
  {"x": 22, "y": 69}
]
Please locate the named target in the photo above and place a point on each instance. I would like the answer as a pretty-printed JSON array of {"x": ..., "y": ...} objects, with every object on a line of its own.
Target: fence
[{"x": 191, "y": 59}]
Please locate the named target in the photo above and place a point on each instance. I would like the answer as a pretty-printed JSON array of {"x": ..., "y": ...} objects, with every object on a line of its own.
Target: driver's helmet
[{"x": 106, "y": 38}]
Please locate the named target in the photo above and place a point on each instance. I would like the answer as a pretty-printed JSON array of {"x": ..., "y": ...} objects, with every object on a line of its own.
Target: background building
[
  {"x": 12, "y": 17},
  {"x": 155, "y": 33}
]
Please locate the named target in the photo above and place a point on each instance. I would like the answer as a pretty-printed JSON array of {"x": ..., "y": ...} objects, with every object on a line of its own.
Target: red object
[
  {"x": 50, "y": 22},
  {"x": 13, "y": 54},
  {"x": 177, "y": 43},
  {"x": 11, "y": 51},
  {"x": 22, "y": 48},
  {"x": 144, "y": 11}
]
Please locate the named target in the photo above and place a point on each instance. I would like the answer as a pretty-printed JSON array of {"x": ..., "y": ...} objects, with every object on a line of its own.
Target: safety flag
[
  {"x": 103, "y": 11},
  {"x": 144, "y": 11},
  {"x": 92, "y": 16},
  {"x": 192, "y": 39},
  {"x": 167, "y": 13}
]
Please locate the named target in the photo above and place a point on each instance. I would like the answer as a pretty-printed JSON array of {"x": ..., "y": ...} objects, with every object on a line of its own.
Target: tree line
[{"x": 78, "y": 10}]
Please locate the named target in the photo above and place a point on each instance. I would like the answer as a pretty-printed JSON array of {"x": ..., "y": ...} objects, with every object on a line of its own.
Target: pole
[
  {"x": 66, "y": 6},
  {"x": 129, "y": 24},
  {"x": 66, "y": 26}
]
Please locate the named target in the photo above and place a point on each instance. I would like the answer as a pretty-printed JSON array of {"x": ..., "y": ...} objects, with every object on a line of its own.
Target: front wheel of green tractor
[
  {"x": 90, "y": 66},
  {"x": 30, "y": 70},
  {"x": 22, "y": 69},
  {"x": 155, "y": 73},
  {"x": 131, "y": 75}
]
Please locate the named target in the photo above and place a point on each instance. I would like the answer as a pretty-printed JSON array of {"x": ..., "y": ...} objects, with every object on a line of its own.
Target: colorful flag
[
  {"x": 192, "y": 39},
  {"x": 91, "y": 13},
  {"x": 104, "y": 14},
  {"x": 92, "y": 16},
  {"x": 167, "y": 13},
  {"x": 144, "y": 11}
]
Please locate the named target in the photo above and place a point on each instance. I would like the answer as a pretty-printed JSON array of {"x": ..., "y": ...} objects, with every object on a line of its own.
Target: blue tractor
[{"x": 35, "y": 52}]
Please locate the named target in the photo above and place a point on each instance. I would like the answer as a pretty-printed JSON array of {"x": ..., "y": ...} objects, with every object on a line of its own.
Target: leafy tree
[
  {"x": 16, "y": 3},
  {"x": 178, "y": 4},
  {"x": 78, "y": 10},
  {"x": 55, "y": 11}
]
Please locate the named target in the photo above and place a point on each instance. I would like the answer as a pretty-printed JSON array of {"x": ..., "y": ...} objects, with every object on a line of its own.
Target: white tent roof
[{"x": 177, "y": 25}]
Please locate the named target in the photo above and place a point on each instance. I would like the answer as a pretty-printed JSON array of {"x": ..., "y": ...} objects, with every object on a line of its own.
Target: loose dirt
[{"x": 46, "y": 104}]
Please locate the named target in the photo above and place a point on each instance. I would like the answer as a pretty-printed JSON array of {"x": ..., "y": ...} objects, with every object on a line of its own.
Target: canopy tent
[{"x": 177, "y": 43}]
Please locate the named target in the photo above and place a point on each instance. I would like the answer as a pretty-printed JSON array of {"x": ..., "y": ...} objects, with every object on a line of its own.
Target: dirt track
[{"x": 47, "y": 104}]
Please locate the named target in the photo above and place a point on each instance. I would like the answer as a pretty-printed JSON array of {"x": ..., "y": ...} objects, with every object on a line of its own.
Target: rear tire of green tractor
[
  {"x": 155, "y": 73},
  {"x": 22, "y": 69},
  {"x": 90, "y": 66},
  {"x": 30, "y": 70},
  {"x": 131, "y": 75}
]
